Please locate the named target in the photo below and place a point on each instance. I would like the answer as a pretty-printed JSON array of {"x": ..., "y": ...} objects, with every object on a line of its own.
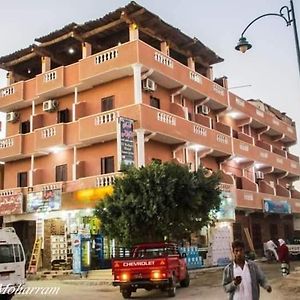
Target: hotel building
[{"x": 68, "y": 93}]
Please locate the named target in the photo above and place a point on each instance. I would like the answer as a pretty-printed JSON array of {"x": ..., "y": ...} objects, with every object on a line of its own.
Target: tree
[{"x": 158, "y": 201}]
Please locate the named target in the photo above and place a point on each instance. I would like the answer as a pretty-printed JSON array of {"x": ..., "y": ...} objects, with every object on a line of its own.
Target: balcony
[
  {"x": 263, "y": 156},
  {"x": 172, "y": 74},
  {"x": 265, "y": 187},
  {"x": 260, "y": 119},
  {"x": 173, "y": 129},
  {"x": 101, "y": 127},
  {"x": 109, "y": 64},
  {"x": 203, "y": 120},
  {"x": 244, "y": 183},
  {"x": 49, "y": 83},
  {"x": 49, "y": 138},
  {"x": 12, "y": 96},
  {"x": 11, "y": 148}
]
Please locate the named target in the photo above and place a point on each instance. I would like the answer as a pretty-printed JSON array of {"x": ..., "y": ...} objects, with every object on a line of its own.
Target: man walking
[
  {"x": 242, "y": 278},
  {"x": 271, "y": 246}
]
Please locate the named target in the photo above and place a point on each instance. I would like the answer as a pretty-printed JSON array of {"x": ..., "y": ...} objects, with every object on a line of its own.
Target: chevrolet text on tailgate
[{"x": 151, "y": 266}]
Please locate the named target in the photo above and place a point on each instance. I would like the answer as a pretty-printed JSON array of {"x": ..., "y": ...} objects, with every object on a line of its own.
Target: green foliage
[{"x": 158, "y": 201}]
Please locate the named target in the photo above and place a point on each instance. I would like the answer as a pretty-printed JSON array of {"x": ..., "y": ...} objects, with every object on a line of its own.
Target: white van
[{"x": 12, "y": 263}]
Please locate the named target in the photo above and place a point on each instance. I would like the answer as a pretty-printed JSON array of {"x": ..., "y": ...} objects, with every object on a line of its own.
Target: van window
[
  {"x": 6, "y": 254},
  {"x": 18, "y": 253}
]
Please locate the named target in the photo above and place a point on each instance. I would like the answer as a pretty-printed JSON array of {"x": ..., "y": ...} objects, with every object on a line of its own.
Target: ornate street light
[{"x": 286, "y": 13}]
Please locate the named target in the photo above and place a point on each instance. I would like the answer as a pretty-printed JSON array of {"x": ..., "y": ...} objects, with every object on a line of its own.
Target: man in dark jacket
[{"x": 242, "y": 278}]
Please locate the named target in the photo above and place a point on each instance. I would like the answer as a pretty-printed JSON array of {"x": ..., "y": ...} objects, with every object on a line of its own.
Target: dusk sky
[{"x": 270, "y": 67}]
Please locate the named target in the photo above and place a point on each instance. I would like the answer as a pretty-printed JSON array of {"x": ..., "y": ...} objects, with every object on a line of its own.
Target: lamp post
[{"x": 288, "y": 15}]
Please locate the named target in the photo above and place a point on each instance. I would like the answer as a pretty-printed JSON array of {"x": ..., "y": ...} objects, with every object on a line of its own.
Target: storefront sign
[
  {"x": 43, "y": 201},
  {"x": 126, "y": 144},
  {"x": 11, "y": 205},
  {"x": 227, "y": 207},
  {"x": 277, "y": 207}
]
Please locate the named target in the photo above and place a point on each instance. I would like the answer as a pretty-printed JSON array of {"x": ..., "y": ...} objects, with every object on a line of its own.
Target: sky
[{"x": 269, "y": 70}]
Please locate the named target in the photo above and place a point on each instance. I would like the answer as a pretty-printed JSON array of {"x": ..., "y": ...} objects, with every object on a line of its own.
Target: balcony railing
[
  {"x": 263, "y": 117},
  {"x": 48, "y": 138},
  {"x": 175, "y": 71},
  {"x": 50, "y": 81}
]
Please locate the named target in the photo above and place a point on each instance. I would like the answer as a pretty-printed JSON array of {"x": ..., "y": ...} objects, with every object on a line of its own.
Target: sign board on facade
[
  {"x": 125, "y": 141},
  {"x": 43, "y": 201},
  {"x": 11, "y": 204},
  {"x": 277, "y": 207},
  {"x": 227, "y": 207}
]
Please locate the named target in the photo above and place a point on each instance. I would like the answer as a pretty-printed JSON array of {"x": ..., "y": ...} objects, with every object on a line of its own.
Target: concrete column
[
  {"x": 10, "y": 78},
  {"x": 32, "y": 114},
  {"x": 191, "y": 63},
  {"x": 140, "y": 147},
  {"x": 74, "y": 104},
  {"x": 137, "y": 68},
  {"x": 30, "y": 183},
  {"x": 164, "y": 48},
  {"x": 86, "y": 49},
  {"x": 46, "y": 64},
  {"x": 133, "y": 32},
  {"x": 210, "y": 74},
  {"x": 74, "y": 165},
  {"x": 196, "y": 160}
]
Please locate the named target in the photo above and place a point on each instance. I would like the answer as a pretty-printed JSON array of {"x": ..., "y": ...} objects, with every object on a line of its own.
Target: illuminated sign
[{"x": 43, "y": 201}]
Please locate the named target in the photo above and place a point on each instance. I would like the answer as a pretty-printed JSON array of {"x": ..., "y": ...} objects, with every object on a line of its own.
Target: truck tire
[
  {"x": 172, "y": 287},
  {"x": 126, "y": 293},
  {"x": 186, "y": 281}
]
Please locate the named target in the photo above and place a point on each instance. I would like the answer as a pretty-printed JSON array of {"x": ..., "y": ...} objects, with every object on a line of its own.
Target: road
[{"x": 207, "y": 286}]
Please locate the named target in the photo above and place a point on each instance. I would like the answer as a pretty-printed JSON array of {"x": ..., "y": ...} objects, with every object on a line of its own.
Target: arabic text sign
[
  {"x": 127, "y": 145},
  {"x": 43, "y": 201},
  {"x": 11, "y": 205}
]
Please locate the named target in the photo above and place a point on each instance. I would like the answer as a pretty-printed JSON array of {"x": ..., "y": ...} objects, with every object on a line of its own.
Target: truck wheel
[
  {"x": 186, "y": 281},
  {"x": 126, "y": 293},
  {"x": 172, "y": 287}
]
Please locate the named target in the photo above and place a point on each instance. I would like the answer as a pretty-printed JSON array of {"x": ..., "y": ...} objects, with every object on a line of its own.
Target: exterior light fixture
[
  {"x": 71, "y": 50},
  {"x": 288, "y": 15},
  {"x": 243, "y": 45}
]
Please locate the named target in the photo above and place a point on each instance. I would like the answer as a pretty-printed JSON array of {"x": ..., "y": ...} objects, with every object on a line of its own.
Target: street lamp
[{"x": 286, "y": 13}]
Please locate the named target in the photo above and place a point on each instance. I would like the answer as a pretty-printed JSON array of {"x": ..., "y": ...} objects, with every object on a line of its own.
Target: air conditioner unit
[
  {"x": 259, "y": 175},
  {"x": 50, "y": 105},
  {"x": 149, "y": 85},
  {"x": 12, "y": 116},
  {"x": 205, "y": 109}
]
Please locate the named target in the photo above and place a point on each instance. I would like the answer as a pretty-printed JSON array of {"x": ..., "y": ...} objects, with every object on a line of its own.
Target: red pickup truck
[{"x": 151, "y": 266}]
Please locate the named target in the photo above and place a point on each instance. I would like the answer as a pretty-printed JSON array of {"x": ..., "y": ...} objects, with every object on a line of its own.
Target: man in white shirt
[
  {"x": 241, "y": 278},
  {"x": 271, "y": 246}
]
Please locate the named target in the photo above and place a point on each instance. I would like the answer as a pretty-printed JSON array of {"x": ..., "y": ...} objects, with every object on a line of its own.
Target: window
[
  {"x": 107, "y": 165},
  {"x": 18, "y": 253},
  {"x": 6, "y": 254},
  {"x": 190, "y": 116},
  {"x": 155, "y": 102},
  {"x": 63, "y": 116},
  {"x": 107, "y": 103},
  {"x": 25, "y": 127},
  {"x": 22, "y": 179},
  {"x": 61, "y": 173}
]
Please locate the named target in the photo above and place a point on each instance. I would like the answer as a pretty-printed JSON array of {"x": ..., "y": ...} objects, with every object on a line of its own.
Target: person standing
[
  {"x": 241, "y": 278},
  {"x": 284, "y": 257}
]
